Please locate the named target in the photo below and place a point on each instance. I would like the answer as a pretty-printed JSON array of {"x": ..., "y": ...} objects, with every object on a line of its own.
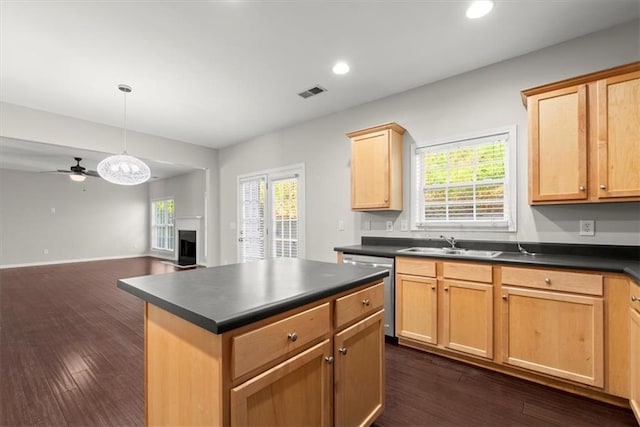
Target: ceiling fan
[{"x": 78, "y": 173}]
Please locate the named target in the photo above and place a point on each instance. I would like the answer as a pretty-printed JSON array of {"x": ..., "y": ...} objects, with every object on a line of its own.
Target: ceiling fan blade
[
  {"x": 57, "y": 171},
  {"x": 92, "y": 173}
]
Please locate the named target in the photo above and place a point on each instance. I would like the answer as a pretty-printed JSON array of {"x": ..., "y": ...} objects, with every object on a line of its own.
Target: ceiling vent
[{"x": 317, "y": 89}]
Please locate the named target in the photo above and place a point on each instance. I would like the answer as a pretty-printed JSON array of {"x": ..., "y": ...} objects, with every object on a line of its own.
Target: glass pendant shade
[
  {"x": 77, "y": 177},
  {"x": 123, "y": 169}
]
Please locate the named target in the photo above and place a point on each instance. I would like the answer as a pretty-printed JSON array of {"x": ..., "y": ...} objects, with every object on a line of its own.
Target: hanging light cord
[{"x": 125, "y": 122}]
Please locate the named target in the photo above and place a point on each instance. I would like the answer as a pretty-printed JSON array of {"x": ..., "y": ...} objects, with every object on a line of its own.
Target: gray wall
[
  {"x": 188, "y": 192},
  {"x": 40, "y": 126},
  {"x": 482, "y": 99},
  {"x": 92, "y": 219}
]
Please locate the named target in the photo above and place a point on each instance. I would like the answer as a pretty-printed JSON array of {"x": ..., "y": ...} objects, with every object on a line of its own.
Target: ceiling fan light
[
  {"x": 479, "y": 8},
  {"x": 77, "y": 177},
  {"x": 123, "y": 169}
]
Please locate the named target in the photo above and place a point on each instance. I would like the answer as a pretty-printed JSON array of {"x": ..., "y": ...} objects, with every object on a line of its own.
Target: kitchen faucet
[{"x": 451, "y": 240}]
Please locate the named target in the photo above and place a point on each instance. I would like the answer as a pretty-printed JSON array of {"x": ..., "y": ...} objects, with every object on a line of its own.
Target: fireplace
[{"x": 187, "y": 247}]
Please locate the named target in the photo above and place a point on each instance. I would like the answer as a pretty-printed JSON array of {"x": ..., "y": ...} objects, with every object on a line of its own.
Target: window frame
[
  {"x": 296, "y": 170},
  {"x": 154, "y": 226},
  {"x": 510, "y": 183}
]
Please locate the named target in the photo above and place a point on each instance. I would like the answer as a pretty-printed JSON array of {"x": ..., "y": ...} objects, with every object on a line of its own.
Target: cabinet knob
[
  {"x": 446, "y": 289},
  {"x": 433, "y": 287},
  {"x": 293, "y": 337},
  {"x": 329, "y": 359},
  {"x": 582, "y": 188},
  {"x": 634, "y": 298},
  {"x": 547, "y": 281},
  {"x": 603, "y": 187},
  {"x": 343, "y": 350},
  {"x": 366, "y": 302},
  {"x": 504, "y": 297}
]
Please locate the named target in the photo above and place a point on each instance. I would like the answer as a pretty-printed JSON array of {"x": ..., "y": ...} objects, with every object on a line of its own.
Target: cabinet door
[
  {"x": 634, "y": 365},
  {"x": 370, "y": 171},
  {"x": 618, "y": 159},
  {"x": 296, "y": 392},
  {"x": 359, "y": 372},
  {"x": 468, "y": 317},
  {"x": 417, "y": 308},
  {"x": 554, "y": 333},
  {"x": 558, "y": 145}
]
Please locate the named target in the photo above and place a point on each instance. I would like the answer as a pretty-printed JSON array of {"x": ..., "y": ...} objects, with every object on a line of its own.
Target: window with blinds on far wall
[
  {"x": 465, "y": 183},
  {"x": 284, "y": 214}
]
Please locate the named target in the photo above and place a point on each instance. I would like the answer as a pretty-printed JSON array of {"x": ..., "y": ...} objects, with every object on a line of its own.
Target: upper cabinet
[
  {"x": 376, "y": 168},
  {"x": 584, "y": 138}
]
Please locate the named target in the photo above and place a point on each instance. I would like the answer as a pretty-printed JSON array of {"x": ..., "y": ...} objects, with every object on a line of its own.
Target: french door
[{"x": 271, "y": 215}]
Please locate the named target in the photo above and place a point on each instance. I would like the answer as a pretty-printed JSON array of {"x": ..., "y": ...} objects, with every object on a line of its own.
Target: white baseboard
[{"x": 69, "y": 261}]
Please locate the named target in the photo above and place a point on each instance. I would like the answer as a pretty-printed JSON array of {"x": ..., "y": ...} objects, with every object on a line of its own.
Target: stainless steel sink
[{"x": 451, "y": 251}]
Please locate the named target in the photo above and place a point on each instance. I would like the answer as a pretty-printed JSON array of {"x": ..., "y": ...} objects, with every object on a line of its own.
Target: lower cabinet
[
  {"x": 302, "y": 385},
  {"x": 554, "y": 333},
  {"x": 417, "y": 308},
  {"x": 634, "y": 350},
  {"x": 468, "y": 317},
  {"x": 359, "y": 377},
  {"x": 319, "y": 365}
]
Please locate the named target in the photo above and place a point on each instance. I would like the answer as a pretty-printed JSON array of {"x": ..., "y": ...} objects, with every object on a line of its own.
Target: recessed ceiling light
[
  {"x": 479, "y": 8},
  {"x": 341, "y": 68}
]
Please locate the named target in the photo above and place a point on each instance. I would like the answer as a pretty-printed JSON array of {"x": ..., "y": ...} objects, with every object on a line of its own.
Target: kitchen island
[{"x": 276, "y": 342}]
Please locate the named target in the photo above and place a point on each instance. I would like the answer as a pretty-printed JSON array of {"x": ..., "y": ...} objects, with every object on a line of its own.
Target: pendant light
[{"x": 123, "y": 169}]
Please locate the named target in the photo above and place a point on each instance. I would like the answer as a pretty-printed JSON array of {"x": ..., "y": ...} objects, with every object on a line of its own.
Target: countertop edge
[
  {"x": 260, "y": 313},
  {"x": 628, "y": 267}
]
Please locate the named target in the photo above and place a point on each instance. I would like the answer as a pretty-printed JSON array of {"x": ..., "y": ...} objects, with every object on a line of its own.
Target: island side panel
[{"x": 183, "y": 372}]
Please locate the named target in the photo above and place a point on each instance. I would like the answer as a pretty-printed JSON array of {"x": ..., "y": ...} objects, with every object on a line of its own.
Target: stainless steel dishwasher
[{"x": 389, "y": 286}]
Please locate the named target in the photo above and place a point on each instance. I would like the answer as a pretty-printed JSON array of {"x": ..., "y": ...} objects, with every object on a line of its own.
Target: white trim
[
  {"x": 510, "y": 181},
  {"x": 35, "y": 264}
]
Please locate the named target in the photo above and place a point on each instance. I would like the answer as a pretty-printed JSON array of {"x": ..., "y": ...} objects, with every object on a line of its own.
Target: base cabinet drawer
[{"x": 554, "y": 333}]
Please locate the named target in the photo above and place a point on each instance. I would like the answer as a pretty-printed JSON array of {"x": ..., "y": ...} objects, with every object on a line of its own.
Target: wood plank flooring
[{"x": 71, "y": 353}]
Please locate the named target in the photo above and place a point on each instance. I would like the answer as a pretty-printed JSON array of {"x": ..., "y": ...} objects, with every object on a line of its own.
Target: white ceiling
[{"x": 216, "y": 73}]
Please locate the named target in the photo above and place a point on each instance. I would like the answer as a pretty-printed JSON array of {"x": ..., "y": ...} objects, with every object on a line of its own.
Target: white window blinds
[
  {"x": 252, "y": 216},
  {"x": 284, "y": 214},
  {"x": 465, "y": 182}
]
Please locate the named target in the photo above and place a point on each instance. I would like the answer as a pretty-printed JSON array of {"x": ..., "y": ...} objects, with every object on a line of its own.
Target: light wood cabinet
[
  {"x": 296, "y": 392},
  {"x": 376, "y": 168},
  {"x": 584, "y": 138},
  {"x": 285, "y": 370},
  {"x": 468, "y": 317},
  {"x": 359, "y": 372},
  {"x": 417, "y": 308},
  {"x": 554, "y": 333},
  {"x": 634, "y": 349},
  {"x": 454, "y": 314}
]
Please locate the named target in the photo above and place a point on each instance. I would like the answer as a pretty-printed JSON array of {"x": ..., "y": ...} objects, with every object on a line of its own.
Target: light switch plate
[
  {"x": 404, "y": 225},
  {"x": 367, "y": 225},
  {"x": 389, "y": 225}
]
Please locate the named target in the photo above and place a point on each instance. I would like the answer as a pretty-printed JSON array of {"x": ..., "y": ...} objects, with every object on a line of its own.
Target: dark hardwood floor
[{"x": 71, "y": 353}]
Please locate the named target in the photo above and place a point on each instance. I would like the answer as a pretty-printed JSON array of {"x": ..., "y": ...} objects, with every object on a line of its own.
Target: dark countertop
[
  {"x": 589, "y": 262},
  {"x": 223, "y": 298}
]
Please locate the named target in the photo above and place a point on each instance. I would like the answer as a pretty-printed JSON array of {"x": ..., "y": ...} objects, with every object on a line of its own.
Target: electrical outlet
[
  {"x": 45, "y": 251},
  {"x": 587, "y": 227},
  {"x": 367, "y": 225},
  {"x": 404, "y": 225},
  {"x": 389, "y": 225},
  {"x": 341, "y": 225}
]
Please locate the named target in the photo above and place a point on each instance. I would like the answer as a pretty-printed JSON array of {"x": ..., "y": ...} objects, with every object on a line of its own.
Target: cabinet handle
[
  {"x": 547, "y": 281},
  {"x": 293, "y": 337},
  {"x": 603, "y": 187},
  {"x": 366, "y": 302},
  {"x": 581, "y": 188},
  {"x": 504, "y": 297},
  {"x": 343, "y": 350},
  {"x": 329, "y": 359},
  {"x": 634, "y": 298}
]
